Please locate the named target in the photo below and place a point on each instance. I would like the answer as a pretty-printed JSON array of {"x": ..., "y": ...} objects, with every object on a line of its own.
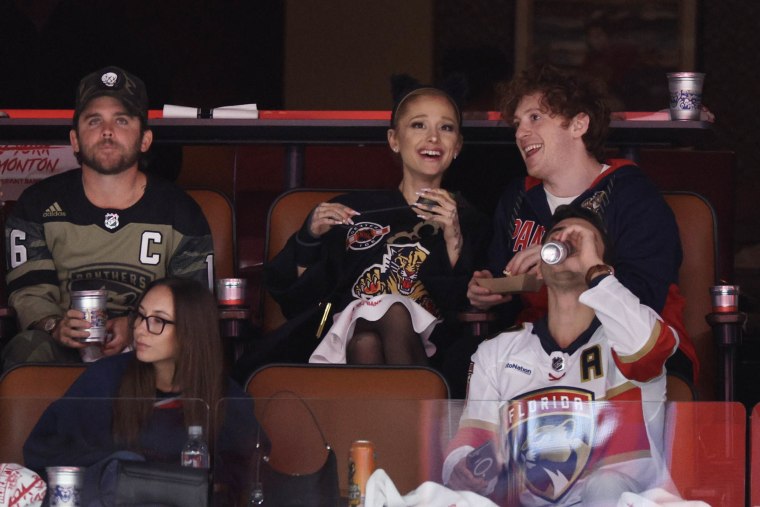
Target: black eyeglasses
[{"x": 153, "y": 323}]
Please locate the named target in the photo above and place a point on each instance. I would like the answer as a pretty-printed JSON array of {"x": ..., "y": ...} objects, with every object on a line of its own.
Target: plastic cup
[
  {"x": 230, "y": 291},
  {"x": 93, "y": 304},
  {"x": 64, "y": 486},
  {"x": 685, "y": 95},
  {"x": 725, "y": 298}
]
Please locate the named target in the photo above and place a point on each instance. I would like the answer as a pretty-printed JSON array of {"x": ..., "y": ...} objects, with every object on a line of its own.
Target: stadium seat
[
  {"x": 25, "y": 392},
  {"x": 399, "y": 408}
]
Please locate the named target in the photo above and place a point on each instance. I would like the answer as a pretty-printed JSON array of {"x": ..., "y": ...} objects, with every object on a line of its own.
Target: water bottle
[{"x": 195, "y": 451}]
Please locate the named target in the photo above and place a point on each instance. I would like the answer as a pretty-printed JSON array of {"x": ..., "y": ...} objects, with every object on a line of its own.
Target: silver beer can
[
  {"x": 93, "y": 304},
  {"x": 554, "y": 252},
  {"x": 64, "y": 486}
]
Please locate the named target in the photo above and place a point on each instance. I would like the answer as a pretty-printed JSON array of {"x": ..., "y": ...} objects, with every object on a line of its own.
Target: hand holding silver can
[
  {"x": 554, "y": 252},
  {"x": 93, "y": 304}
]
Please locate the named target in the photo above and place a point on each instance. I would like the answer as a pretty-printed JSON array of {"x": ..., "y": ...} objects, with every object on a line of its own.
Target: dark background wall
[
  {"x": 201, "y": 52},
  {"x": 211, "y": 53},
  {"x": 726, "y": 48}
]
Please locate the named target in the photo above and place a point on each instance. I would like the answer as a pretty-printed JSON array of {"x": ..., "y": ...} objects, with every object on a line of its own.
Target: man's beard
[
  {"x": 127, "y": 158},
  {"x": 565, "y": 281}
]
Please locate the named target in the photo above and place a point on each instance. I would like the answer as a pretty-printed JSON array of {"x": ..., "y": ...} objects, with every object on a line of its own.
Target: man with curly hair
[{"x": 561, "y": 122}]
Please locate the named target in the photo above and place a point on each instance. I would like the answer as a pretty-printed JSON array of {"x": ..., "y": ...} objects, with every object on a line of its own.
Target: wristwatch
[
  {"x": 598, "y": 269},
  {"x": 49, "y": 324}
]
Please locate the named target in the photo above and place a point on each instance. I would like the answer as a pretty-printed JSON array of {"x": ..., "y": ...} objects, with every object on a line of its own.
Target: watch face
[{"x": 50, "y": 324}]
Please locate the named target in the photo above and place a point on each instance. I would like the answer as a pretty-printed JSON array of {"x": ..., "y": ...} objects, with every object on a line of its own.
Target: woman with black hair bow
[{"x": 388, "y": 267}]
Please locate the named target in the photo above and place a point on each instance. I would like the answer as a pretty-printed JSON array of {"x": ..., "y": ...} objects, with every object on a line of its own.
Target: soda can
[
  {"x": 554, "y": 252},
  {"x": 93, "y": 304},
  {"x": 361, "y": 464},
  {"x": 64, "y": 486}
]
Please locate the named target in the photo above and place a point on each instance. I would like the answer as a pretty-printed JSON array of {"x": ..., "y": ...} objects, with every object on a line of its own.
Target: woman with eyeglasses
[{"x": 143, "y": 401}]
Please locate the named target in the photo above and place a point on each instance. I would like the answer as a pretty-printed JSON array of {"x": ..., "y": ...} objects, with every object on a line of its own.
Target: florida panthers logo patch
[
  {"x": 549, "y": 439},
  {"x": 112, "y": 220},
  {"x": 365, "y": 235},
  {"x": 596, "y": 202}
]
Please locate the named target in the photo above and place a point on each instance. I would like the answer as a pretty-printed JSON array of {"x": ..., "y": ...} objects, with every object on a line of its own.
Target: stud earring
[{"x": 395, "y": 150}]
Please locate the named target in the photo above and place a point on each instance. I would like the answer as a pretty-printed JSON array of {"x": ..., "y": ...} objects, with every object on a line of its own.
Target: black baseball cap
[{"x": 113, "y": 82}]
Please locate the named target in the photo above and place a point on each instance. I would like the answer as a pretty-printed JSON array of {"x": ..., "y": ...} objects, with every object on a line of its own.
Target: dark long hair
[{"x": 199, "y": 370}]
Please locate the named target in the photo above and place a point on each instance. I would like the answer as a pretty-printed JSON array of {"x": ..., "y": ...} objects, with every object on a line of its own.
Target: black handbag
[
  {"x": 144, "y": 483},
  {"x": 276, "y": 489}
]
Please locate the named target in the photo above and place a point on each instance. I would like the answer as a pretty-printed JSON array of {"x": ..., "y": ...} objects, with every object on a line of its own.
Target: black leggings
[{"x": 389, "y": 340}]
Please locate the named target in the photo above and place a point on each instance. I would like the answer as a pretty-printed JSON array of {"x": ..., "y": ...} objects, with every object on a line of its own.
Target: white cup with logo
[{"x": 93, "y": 304}]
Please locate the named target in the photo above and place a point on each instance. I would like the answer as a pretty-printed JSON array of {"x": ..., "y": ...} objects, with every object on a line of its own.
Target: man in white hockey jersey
[{"x": 528, "y": 410}]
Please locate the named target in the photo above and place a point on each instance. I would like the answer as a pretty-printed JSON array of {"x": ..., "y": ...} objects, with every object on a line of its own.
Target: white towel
[
  {"x": 656, "y": 497},
  {"x": 241, "y": 111},
  {"x": 381, "y": 492},
  {"x": 20, "y": 487}
]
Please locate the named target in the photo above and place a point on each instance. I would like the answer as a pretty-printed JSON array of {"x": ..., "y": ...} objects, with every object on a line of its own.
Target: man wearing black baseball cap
[
  {"x": 117, "y": 83},
  {"x": 106, "y": 226}
]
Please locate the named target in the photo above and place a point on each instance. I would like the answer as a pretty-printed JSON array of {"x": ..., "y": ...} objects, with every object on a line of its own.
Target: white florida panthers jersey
[{"x": 560, "y": 415}]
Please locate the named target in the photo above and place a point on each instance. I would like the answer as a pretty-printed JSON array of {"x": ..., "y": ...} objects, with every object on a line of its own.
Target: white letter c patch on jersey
[{"x": 148, "y": 238}]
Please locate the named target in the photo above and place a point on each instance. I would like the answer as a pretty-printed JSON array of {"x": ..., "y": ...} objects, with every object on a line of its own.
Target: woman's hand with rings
[
  {"x": 442, "y": 210},
  {"x": 440, "y": 207},
  {"x": 329, "y": 214}
]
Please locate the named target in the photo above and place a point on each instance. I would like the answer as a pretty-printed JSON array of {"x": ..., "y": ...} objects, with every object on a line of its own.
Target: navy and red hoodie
[{"x": 641, "y": 227}]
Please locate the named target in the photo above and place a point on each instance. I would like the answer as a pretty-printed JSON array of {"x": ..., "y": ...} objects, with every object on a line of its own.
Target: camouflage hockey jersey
[{"x": 57, "y": 241}]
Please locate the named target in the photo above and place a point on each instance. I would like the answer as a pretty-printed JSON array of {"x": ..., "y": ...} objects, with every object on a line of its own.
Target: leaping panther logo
[
  {"x": 397, "y": 274},
  {"x": 405, "y": 269},
  {"x": 596, "y": 202}
]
